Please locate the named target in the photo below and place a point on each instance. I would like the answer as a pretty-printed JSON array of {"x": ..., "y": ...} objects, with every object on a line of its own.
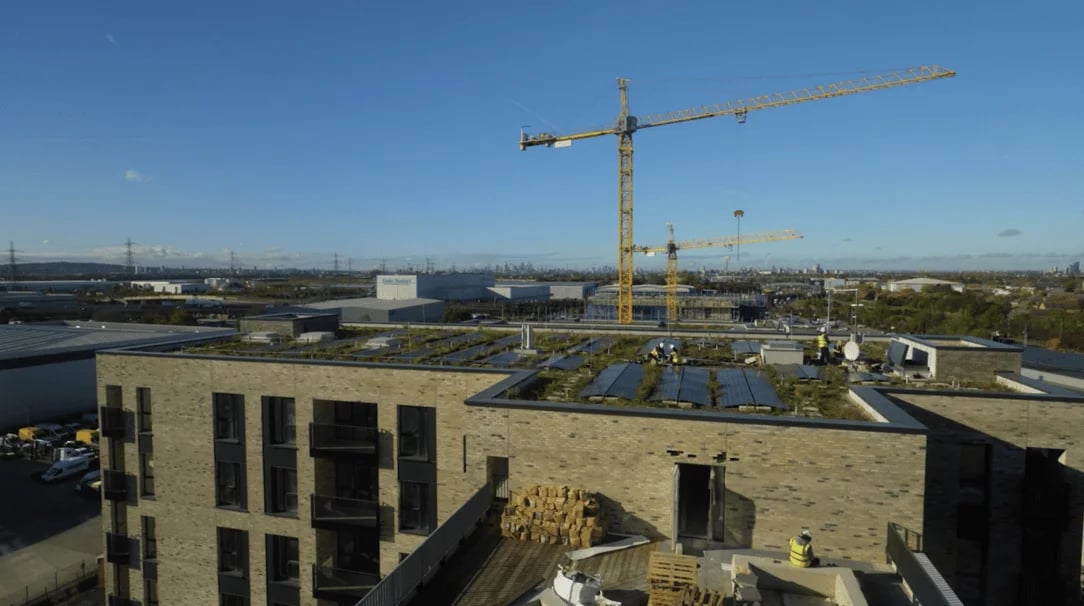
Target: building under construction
[{"x": 649, "y": 304}]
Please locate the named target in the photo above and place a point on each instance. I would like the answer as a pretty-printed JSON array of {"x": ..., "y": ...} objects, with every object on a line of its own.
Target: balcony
[
  {"x": 114, "y": 485},
  {"x": 117, "y": 548},
  {"x": 329, "y": 439},
  {"x": 329, "y": 511},
  {"x": 335, "y": 583},
  {"x": 111, "y": 421}
]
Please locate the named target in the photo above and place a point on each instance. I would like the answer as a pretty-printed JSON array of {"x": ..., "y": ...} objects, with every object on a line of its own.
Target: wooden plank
[{"x": 670, "y": 570}]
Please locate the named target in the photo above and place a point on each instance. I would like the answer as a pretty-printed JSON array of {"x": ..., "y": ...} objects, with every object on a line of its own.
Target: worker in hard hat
[
  {"x": 822, "y": 346},
  {"x": 801, "y": 550}
]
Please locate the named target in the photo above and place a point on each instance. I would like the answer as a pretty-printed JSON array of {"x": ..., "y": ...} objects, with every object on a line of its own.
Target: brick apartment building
[{"x": 253, "y": 480}]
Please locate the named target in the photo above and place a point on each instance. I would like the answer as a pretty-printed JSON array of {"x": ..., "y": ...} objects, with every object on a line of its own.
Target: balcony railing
[
  {"x": 114, "y": 485},
  {"x": 112, "y": 422},
  {"x": 117, "y": 548},
  {"x": 342, "y": 510},
  {"x": 333, "y": 438},
  {"x": 326, "y": 579}
]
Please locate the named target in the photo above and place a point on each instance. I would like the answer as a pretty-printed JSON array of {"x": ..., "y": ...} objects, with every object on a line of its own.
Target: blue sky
[{"x": 288, "y": 131}]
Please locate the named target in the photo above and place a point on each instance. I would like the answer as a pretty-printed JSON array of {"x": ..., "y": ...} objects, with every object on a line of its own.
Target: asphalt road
[{"x": 31, "y": 511}]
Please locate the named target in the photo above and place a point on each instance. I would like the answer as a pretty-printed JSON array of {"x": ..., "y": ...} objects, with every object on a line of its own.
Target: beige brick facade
[{"x": 845, "y": 481}]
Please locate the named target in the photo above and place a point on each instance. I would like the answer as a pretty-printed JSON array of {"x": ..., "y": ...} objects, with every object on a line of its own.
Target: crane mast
[{"x": 627, "y": 124}]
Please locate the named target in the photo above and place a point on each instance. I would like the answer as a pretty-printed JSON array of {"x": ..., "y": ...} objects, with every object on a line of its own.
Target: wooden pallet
[{"x": 668, "y": 576}]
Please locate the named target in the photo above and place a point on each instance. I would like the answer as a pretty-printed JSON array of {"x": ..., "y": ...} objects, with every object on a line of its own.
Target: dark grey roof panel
[
  {"x": 733, "y": 388},
  {"x": 504, "y": 359},
  {"x": 694, "y": 386},
  {"x": 1071, "y": 364},
  {"x": 506, "y": 341},
  {"x": 563, "y": 362},
  {"x": 617, "y": 381},
  {"x": 1047, "y": 388},
  {"x": 762, "y": 390},
  {"x": 897, "y": 350}
]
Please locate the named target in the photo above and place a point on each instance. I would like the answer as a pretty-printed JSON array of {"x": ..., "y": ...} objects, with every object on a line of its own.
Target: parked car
[
  {"x": 83, "y": 485},
  {"x": 65, "y": 469},
  {"x": 55, "y": 432}
]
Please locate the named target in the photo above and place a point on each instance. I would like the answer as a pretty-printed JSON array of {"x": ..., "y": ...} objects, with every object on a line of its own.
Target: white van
[{"x": 66, "y": 469}]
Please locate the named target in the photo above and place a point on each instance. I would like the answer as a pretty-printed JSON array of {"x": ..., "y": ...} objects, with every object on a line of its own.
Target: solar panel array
[
  {"x": 745, "y": 387},
  {"x": 683, "y": 384},
  {"x": 506, "y": 341},
  {"x": 465, "y": 355},
  {"x": 617, "y": 381},
  {"x": 592, "y": 345}
]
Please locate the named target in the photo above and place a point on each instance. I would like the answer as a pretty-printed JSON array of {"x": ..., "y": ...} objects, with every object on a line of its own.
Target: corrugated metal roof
[{"x": 24, "y": 340}]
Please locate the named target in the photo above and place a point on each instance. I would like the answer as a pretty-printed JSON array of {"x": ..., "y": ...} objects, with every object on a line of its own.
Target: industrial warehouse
[{"x": 328, "y": 472}]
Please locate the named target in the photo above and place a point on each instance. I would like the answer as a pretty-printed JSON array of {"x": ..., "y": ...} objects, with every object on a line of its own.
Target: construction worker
[
  {"x": 822, "y": 346},
  {"x": 801, "y": 550}
]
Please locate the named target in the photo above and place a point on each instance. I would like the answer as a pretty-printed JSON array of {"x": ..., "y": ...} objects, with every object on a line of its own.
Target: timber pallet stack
[{"x": 557, "y": 515}]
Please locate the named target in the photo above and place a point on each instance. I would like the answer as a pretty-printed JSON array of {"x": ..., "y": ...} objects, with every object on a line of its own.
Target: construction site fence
[
  {"x": 56, "y": 587},
  {"x": 420, "y": 566}
]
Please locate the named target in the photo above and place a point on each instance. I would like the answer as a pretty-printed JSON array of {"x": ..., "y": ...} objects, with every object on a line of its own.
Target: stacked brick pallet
[{"x": 553, "y": 515}]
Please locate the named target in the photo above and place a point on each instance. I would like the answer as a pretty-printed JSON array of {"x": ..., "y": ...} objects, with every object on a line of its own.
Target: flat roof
[
  {"x": 288, "y": 315},
  {"x": 371, "y": 303},
  {"x": 957, "y": 342},
  {"x": 72, "y": 337},
  {"x": 1049, "y": 360}
]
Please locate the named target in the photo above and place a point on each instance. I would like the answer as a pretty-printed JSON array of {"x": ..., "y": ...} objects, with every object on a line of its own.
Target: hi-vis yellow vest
[{"x": 801, "y": 555}]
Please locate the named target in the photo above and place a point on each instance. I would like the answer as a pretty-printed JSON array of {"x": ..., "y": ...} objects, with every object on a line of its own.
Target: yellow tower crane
[
  {"x": 628, "y": 124},
  {"x": 672, "y": 247}
]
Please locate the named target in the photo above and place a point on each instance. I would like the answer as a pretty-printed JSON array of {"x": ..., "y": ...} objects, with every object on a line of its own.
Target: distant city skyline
[{"x": 288, "y": 131}]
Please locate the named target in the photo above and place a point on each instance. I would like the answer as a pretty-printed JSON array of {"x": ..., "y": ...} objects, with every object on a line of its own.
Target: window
[
  {"x": 228, "y": 599},
  {"x": 232, "y": 552},
  {"x": 150, "y": 539},
  {"x": 413, "y": 432},
  {"x": 413, "y": 507},
  {"x": 281, "y": 423},
  {"x": 114, "y": 396},
  {"x": 282, "y": 559},
  {"x": 228, "y": 484},
  {"x": 150, "y": 592},
  {"x": 146, "y": 474},
  {"x": 143, "y": 404},
  {"x": 283, "y": 490},
  {"x": 228, "y": 420}
]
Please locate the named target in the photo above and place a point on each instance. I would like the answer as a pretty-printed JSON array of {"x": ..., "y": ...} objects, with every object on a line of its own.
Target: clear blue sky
[{"x": 288, "y": 131}]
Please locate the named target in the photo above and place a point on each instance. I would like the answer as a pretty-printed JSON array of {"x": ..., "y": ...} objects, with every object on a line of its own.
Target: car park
[{"x": 67, "y": 468}]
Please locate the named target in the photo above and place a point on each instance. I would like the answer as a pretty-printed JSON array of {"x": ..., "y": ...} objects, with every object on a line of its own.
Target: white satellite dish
[{"x": 851, "y": 351}]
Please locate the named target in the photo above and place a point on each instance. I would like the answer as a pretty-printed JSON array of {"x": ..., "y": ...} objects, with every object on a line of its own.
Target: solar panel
[
  {"x": 464, "y": 355},
  {"x": 897, "y": 350},
  {"x": 813, "y": 373},
  {"x": 668, "y": 386},
  {"x": 762, "y": 390},
  {"x": 504, "y": 359},
  {"x": 506, "y": 341},
  {"x": 563, "y": 362},
  {"x": 790, "y": 371},
  {"x": 694, "y": 386},
  {"x": 733, "y": 388},
  {"x": 617, "y": 381},
  {"x": 592, "y": 345}
]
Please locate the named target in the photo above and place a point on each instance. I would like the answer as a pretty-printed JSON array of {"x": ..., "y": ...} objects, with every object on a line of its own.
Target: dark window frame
[
  {"x": 232, "y": 552},
  {"x": 281, "y": 480},
  {"x": 232, "y": 599},
  {"x": 146, "y": 463},
  {"x": 144, "y": 409},
  {"x": 414, "y": 502},
  {"x": 283, "y": 560},
  {"x": 228, "y": 417},
  {"x": 150, "y": 596},
  {"x": 237, "y": 476},
  {"x": 281, "y": 418},
  {"x": 150, "y": 538},
  {"x": 414, "y": 426}
]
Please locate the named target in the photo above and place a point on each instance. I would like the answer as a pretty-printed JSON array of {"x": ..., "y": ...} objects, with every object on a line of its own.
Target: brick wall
[
  {"x": 974, "y": 364},
  {"x": 1008, "y": 425}
]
